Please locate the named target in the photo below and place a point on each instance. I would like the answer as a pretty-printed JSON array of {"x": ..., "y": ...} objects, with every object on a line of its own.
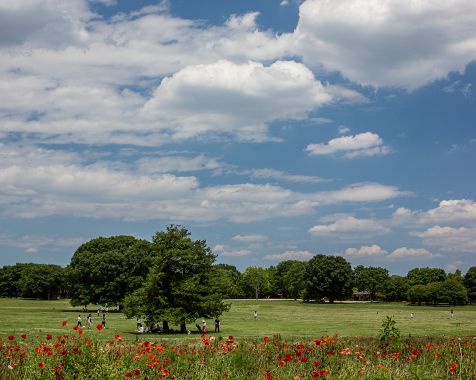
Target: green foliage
[
  {"x": 424, "y": 276},
  {"x": 226, "y": 279},
  {"x": 105, "y": 270},
  {"x": 450, "y": 291},
  {"x": 328, "y": 276},
  {"x": 371, "y": 279},
  {"x": 180, "y": 286},
  {"x": 294, "y": 279},
  {"x": 389, "y": 329},
  {"x": 42, "y": 281},
  {"x": 254, "y": 281},
  {"x": 469, "y": 281},
  {"x": 396, "y": 288}
]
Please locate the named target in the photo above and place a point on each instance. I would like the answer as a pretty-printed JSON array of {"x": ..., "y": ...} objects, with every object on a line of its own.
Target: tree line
[{"x": 175, "y": 279}]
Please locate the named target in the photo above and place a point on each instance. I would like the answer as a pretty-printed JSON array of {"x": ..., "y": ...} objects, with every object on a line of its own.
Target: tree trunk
[
  {"x": 165, "y": 326},
  {"x": 183, "y": 327},
  {"x": 256, "y": 293}
]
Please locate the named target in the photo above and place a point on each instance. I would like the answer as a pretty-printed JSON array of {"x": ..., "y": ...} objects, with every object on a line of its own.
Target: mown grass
[{"x": 275, "y": 317}]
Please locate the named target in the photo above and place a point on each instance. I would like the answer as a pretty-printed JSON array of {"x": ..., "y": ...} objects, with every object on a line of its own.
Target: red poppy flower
[
  {"x": 23, "y": 336},
  {"x": 137, "y": 372},
  {"x": 129, "y": 375},
  {"x": 281, "y": 363},
  {"x": 11, "y": 337},
  {"x": 319, "y": 373},
  {"x": 99, "y": 327},
  {"x": 453, "y": 367},
  {"x": 41, "y": 364},
  {"x": 63, "y": 323},
  {"x": 48, "y": 337}
]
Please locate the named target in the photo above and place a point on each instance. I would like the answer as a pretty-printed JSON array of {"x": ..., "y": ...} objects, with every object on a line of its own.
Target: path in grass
[{"x": 287, "y": 318}]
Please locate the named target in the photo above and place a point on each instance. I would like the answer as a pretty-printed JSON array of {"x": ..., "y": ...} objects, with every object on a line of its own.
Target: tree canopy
[
  {"x": 179, "y": 287},
  {"x": 105, "y": 270},
  {"x": 328, "y": 276}
]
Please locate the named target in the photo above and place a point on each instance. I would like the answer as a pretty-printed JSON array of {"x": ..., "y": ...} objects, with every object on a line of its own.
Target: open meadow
[
  {"x": 286, "y": 318},
  {"x": 288, "y": 340}
]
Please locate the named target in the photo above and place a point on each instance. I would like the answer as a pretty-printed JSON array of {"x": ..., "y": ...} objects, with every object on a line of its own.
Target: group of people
[{"x": 89, "y": 320}]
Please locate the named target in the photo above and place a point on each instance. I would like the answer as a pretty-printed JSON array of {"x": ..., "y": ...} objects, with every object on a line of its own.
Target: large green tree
[
  {"x": 371, "y": 279},
  {"x": 294, "y": 279},
  {"x": 469, "y": 281},
  {"x": 255, "y": 281},
  {"x": 396, "y": 288},
  {"x": 423, "y": 276},
  {"x": 328, "y": 276},
  {"x": 105, "y": 270},
  {"x": 30, "y": 280},
  {"x": 43, "y": 281},
  {"x": 180, "y": 286}
]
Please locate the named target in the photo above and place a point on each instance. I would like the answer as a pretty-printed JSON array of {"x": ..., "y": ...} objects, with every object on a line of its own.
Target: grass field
[{"x": 286, "y": 318}]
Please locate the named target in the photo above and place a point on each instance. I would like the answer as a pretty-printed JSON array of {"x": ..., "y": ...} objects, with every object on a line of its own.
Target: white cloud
[
  {"x": 450, "y": 239},
  {"x": 361, "y": 145},
  {"x": 343, "y": 129},
  {"x": 452, "y": 267},
  {"x": 236, "y": 253},
  {"x": 38, "y": 182},
  {"x": 452, "y": 210},
  {"x": 290, "y": 255},
  {"x": 43, "y": 23},
  {"x": 385, "y": 42},
  {"x": 168, "y": 164},
  {"x": 250, "y": 238},
  {"x": 350, "y": 226},
  {"x": 462, "y": 211},
  {"x": 33, "y": 243},
  {"x": 279, "y": 175},
  {"x": 234, "y": 99},
  {"x": 362, "y": 192},
  {"x": 365, "y": 251},
  {"x": 405, "y": 253}
]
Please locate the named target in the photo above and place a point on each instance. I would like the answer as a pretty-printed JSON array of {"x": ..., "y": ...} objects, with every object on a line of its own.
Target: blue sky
[{"x": 274, "y": 129}]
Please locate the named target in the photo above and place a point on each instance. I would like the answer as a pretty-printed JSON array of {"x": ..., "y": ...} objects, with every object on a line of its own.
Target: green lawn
[{"x": 287, "y": 318}]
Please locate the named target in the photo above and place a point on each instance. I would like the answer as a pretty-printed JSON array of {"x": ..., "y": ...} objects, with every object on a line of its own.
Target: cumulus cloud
[
  {"x": 236, "y": 99},
  {"x": 43, "y": 23},
  {"x": 250, "y": 238},
  {"x": 361, "y": 145},
  {"x": 382, "y": 43},
  {"x": 365, "y": 251},
  {"x": 348, "y": 226},
  {"x": 290, "y": 255},
  {"x": 450, "y": 239},
  {"x": 448, "y": 211},
  {"x": 405, "y": 253}
]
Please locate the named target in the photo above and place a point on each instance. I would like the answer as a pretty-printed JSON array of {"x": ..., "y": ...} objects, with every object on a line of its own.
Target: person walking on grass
[
  {"x": 103, "y": 322},
  {"x": 90, "y": 320},
  {"x": 79, "y": 324},
  {"x": 217, "y": 325},
  {"x": 255, "y": 314}
]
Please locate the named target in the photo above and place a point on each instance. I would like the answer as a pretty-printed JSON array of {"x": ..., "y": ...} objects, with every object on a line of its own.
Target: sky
[{"x": 273, "y": 129}]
